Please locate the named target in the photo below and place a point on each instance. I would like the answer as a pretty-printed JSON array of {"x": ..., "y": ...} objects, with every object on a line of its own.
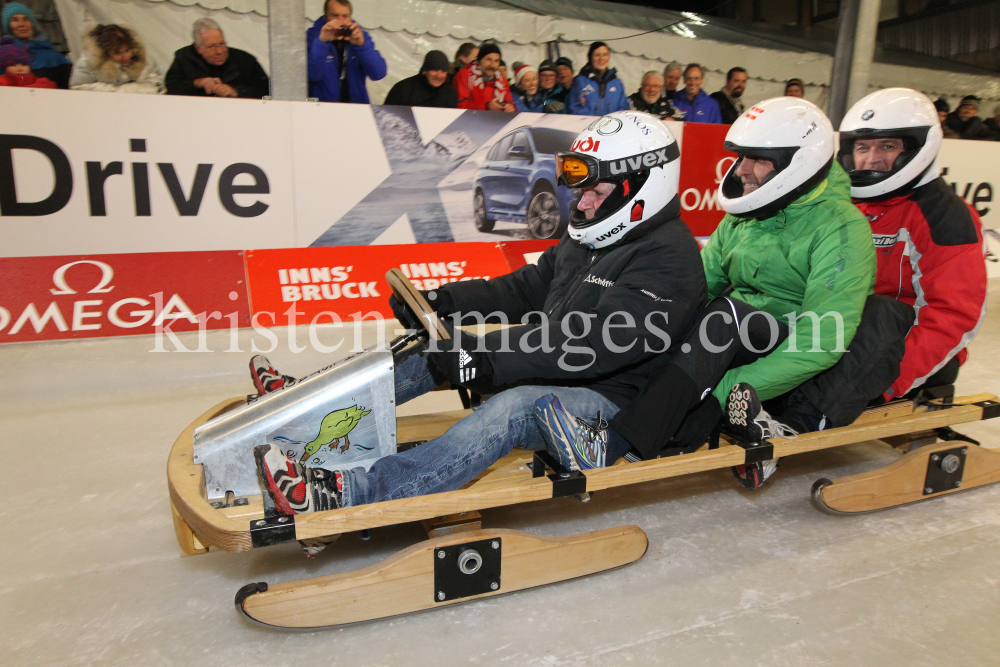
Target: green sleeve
[
  {"x": 711, "y": 257},
  {"x": 841, "y": 276}
]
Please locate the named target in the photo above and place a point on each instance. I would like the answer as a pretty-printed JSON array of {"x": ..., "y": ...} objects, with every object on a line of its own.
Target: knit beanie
[
  {"x": 563, "y": 60},
  {"x": 521, "y": 72},
  {"x": 971, "y": 100},
  {"x": 547, "y": 66},
  {"x": 12, "y": 8},
  {"x": 12, "y": 54},
  {"x": 487, "y": 48},
  {"x": 435, "y": 61}
]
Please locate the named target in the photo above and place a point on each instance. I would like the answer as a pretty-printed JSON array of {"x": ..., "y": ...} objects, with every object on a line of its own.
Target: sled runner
[{"x": 215, "y": 506}]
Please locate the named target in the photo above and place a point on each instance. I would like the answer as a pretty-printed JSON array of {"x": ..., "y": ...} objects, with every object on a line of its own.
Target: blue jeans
[{"x": 469, "y": 447}]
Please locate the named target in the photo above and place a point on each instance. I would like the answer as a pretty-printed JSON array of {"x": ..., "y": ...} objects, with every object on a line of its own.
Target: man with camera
[{"x": 341, "y": 56}]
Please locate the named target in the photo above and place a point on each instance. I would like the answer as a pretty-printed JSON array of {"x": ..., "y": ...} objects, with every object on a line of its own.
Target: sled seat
[{"x": 511, "y": 480}]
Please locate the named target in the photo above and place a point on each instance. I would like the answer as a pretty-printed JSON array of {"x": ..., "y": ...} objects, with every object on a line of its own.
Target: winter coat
[
  {"x": 815, "y": 255},
  {"x": 474, "y": 92},
  {"x": 542, "y": 102},
  {"x": 662, "y": 108},
  {"x": 974, "y": 128},
  {"x": 25, "y": 81},
  {"x": 655, "y": 277},
  {"x": 728, "y": 111},
  {"x": 702, "y": 110},
  {"x": 363, "y": 62},
  {"x": 929, "y": 248},
  {"x": 46, "y": 62},
  {"x": 417, "y": 92},
  {"x": 95, "y": 71},
  {"x": 241, "y": 71},
  {"x": 597, "y": 93}
]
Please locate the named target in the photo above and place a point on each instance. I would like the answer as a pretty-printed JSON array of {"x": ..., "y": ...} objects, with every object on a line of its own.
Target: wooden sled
[
  {"x": 463, "y": 562},
  {"x": 406, "y": 581}
]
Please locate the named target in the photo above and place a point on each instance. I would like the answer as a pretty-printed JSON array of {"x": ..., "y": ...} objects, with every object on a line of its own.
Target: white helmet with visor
[
  {"x": 796, "y": 136},
  {"x": 897, "y": 113},
  {"x": 636, "y": 154}
]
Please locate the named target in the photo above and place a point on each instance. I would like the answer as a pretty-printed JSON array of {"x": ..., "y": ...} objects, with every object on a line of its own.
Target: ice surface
[{"x": 92, "y": 574}]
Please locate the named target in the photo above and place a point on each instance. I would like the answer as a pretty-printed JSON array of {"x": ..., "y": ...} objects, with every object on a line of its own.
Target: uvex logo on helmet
[
  {"x": 585, "y": 145},
  {"x": 654, "y": 158},
  {"x": 607, "y": 235}
]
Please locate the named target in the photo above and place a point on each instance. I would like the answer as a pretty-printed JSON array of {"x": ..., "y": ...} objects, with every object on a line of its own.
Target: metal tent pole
[
  {"x": 287, "y": 39},
  {"x": 840, "y": 76},
  {"x": 864, "y": 50}
]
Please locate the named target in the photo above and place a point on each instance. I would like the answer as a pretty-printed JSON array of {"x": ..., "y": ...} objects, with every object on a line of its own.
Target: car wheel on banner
[
  {"x": 543, "y": 215},
  {"x": 483, "y": 223}
]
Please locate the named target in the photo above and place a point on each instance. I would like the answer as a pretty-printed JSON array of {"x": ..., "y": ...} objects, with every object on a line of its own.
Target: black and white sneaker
[
  {"x": 747, "y": 421},
  {"x": 295, "y": 488},
  {"x": 265, "y": 377}
]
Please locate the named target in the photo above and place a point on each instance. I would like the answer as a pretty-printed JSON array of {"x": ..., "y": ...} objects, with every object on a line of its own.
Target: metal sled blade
[
  {"x": 440, "y": 572},
  {"x": 927, "y": 472}
]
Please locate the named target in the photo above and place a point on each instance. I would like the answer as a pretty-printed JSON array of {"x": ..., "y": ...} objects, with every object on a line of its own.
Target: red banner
[
  {"x": 350, "y": 280},
  {"x": 89, "y": 296},
  {"x": 704, "y": 162},
  {"x": 521, "y": 253}
]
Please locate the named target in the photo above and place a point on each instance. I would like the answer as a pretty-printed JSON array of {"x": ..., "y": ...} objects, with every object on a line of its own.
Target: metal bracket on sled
[
  {"x": 463, "y": 570},
  {"x": 564, "y": 482},
  {"x": 944, "y": 470},
  {"x": 946, "y": 394},
  {"x": 272, "y": 530},
  {"x": 757, "y": 452},
  {"x": 991, "y": 409}
]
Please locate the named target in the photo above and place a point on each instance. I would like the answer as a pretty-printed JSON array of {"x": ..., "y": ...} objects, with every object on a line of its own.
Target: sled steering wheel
[{"x": 414, "y": 301}]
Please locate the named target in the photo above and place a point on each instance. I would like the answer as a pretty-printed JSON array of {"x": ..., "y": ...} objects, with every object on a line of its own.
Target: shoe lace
[{"x": 775, "y": 429}]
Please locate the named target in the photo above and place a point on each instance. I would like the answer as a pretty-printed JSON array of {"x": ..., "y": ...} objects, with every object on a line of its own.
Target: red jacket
[
  {"x": 474, "y": 93},
  {"x": 26, "y": 81},
  {"x": 931, "y": 255}
]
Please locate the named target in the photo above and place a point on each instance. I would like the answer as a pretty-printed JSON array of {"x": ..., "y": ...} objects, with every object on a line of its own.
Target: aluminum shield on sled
[{"x": 341, "y": 416}]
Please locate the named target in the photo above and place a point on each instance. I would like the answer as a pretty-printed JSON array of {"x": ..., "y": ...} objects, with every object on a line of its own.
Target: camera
[{"x": 343, "y": 33}]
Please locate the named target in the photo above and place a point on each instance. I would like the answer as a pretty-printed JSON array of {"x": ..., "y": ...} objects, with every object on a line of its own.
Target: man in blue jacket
[
  {"x": 693, "y": 102},
  {"x": 341, "y": 56}
]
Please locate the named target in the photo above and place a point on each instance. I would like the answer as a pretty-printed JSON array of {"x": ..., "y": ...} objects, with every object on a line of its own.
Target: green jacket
[{"x": 815, "y": 255}]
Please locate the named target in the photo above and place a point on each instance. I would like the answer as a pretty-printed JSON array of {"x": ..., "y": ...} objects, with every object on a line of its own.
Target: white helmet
[
  {"x": 899, "y": 113},
  {"x": 792, "y": 132},
  {"x": 637, "y": 153}
]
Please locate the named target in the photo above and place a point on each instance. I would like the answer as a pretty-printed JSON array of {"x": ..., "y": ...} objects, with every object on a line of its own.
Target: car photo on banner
[{"x": 517, "y": 182}]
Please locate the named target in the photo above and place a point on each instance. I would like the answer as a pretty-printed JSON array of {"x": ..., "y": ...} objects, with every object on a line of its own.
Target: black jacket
[
  {"x": 417, "y": 92},
  {"x": 974, "y": 128},
  {"x": 662, "y": 108},
  {"x": 729, "y": 112},
  {"x": 660, "y": 271},
  {"x": 241, "y": 71}
]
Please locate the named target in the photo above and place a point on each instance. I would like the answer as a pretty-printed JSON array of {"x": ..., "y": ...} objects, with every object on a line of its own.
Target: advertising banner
[
  {"x": 704, "y": 162},
  {"x": 54, "y": 298},
  {"x": 321, "y": 284}
]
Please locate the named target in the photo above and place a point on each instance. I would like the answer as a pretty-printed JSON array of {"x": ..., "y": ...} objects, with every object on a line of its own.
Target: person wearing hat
[
  {"x": 19, "y": 21},
  {"x": 966, "y": 122},
  {"x": 115, "y": 60},
  {"x": 565, "y": 73},
  {"x": 15, "y": 67},
  {"x": 479, "y": 85},
  {"x": 428, "y": 88},
  {"x": 550, "y": 88},
  {"x": 795, "y": 88},
  {"x": 597, "y": 90},
  {"x": 942, "y": 108}
]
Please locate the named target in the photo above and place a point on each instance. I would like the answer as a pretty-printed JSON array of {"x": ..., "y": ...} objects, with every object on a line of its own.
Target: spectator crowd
[{"x": 342, "y": 58}]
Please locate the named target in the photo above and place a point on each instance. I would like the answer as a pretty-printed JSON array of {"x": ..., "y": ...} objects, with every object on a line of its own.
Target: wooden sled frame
[
  {"x": 462, "y": 562},
  {"x": 408, "y": 579}
]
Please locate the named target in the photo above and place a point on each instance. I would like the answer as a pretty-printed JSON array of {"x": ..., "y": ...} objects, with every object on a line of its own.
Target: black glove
[
  {"x": 467, "y": 368},
  {"x": 439, "y": 301}
]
